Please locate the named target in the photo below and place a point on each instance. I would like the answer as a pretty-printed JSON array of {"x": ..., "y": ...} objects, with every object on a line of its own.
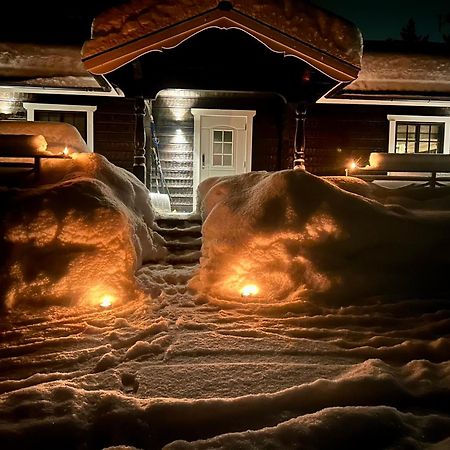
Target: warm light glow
[
  {"x": 249, "y": 290},
  {"x": 353, "y": 165},
  {"x": 106, "y": 301},
  {"x": 66, "y": 151}
]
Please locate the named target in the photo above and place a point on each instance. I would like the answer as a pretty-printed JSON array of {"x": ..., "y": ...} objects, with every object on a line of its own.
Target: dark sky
[
  {"x": 69, "y": 21},
  {"x": 382, "y": 19}
]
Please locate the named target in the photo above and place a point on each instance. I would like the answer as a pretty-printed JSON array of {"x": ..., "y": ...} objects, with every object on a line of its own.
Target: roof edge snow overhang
[
  {"x": 106, "y": 89},
  {"x": 59, "y": 91},
  {"x": 385, "y": 102},
  {"x": 115, "y": 57},
  {"x": 335, "y": 96}
]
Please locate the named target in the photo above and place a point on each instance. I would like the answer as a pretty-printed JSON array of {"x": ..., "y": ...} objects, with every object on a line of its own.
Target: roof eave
[{"x": 117, "y": 56}]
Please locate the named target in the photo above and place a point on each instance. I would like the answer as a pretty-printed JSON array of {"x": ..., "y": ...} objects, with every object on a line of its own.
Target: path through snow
[{"x": 173, "y": 366}]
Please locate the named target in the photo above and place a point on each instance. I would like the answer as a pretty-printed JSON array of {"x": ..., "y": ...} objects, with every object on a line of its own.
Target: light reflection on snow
[
  {"x": 106, "y": 301},
  {"x": 249, "y": 290}
]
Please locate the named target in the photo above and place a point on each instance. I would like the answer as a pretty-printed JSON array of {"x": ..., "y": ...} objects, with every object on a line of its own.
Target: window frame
[
  {"x": 222, "y": 142},
  {"x": 419, "y": 120},
  {"x": 88, "y": 109}
]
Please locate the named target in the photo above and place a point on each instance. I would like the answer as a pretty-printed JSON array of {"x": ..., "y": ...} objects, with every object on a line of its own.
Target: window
[
  {"x": 419, "y": 134},
  {"x": 419, "y": 137},
  {"x": 80, "y": 116},
  {"x": 222, "y": 148}
]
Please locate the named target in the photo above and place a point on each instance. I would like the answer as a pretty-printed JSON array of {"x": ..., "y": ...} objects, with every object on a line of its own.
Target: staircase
[{"x": 183, "y": 238}]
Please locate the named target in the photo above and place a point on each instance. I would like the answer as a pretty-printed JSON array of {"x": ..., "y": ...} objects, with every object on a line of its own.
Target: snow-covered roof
[
  {"x": 128, "y": 31},
  {"x": 402, "y": 73},
  {"x": 47, "y": 66}
]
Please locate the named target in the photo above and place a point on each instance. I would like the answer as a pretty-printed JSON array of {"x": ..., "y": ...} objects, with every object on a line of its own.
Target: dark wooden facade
[
  {"x": 338, "y": 133},
  {"x": 114, "y": 123},
  {"x": 335, "y": 133}
]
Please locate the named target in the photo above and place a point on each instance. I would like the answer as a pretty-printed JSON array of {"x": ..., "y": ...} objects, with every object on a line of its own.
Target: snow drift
[
  {"x": 58, "y": 135},
  {"x": 297, "y": 236},
  {"x": 77, "y": 236}
]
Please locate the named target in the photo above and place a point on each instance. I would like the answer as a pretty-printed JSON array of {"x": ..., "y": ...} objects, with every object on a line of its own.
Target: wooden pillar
[
  {"x": 300, "y": 137},
  {"x": 139, "y": 165}
]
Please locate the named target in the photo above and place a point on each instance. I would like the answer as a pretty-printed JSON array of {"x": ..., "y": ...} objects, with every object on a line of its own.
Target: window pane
[
  {"x": 401, "y": 147},
  {"x": 228, "y": 149},
  {"x": 228, "y": 136},
  {"x": 217, "y": 160},
  {"x": 401, "y": 129},
  {"x": 423, "y": 147},
  {"x": 217, "y": 148},
  {"x": 217, "y": 136},
  {"x": 410, "y": 148},
  {"x": 227, "y": 160},
  {"x": 434, "y": 148}
]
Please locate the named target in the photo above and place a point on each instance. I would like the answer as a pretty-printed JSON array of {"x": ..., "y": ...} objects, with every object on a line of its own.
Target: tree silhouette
[{"x": 409, "y": 34}]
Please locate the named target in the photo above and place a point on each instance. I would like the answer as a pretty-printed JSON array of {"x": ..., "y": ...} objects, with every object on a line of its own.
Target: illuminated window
[
  {"x": 80, "y": 116},
  {"x": 419, "y": 137},
  {"x": 419, "y": 134},
  {"x": 222, "y": 148}
]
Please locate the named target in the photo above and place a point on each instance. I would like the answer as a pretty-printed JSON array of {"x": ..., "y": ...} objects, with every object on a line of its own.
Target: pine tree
[{"x": 409, "y": 34}]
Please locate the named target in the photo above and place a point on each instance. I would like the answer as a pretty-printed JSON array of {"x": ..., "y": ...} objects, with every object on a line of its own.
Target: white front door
[{"x": 222, "y": 143}]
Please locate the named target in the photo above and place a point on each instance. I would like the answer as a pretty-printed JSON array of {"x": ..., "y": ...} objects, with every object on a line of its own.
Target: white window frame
[
  {"x": 213, "y": 130},
  {"x": 393, "y": 119},
  {"x": 88, "y": 109}
]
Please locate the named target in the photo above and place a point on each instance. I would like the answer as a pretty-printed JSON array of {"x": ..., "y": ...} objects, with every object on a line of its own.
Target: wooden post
[
  {"x": 300, "y": 137},
  {"x": 139, "y": 165}
]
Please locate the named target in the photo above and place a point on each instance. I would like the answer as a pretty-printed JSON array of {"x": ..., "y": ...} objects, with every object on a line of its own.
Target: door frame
[{"x": 198, "y": 113}]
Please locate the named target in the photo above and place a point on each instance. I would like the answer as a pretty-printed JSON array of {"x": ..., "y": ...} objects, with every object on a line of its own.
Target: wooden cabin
[{"x": 210, "y": 87}]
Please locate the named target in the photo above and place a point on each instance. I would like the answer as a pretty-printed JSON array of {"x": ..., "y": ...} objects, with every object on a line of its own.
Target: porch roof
[{"x": 327, "y": 42}]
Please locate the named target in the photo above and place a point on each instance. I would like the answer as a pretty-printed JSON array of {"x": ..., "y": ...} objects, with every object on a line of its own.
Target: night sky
[
  {"x": 69, "y": 21},
  {"x": 383, "y": 19}
]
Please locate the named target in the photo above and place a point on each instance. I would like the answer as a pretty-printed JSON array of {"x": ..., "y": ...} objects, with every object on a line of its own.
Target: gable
[{"x": 326, "y": 42}]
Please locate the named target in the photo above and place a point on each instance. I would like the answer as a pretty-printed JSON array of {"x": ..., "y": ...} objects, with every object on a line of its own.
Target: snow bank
[
  {"x": 296, "y": 236},
  {"x": 77, "y": 236},
  {"x": 57, "y": 134}
]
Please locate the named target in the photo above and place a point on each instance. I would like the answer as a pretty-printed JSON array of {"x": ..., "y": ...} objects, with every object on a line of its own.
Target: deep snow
[
  {"x": 183, "y": 368},
  {"x": 76, "y": 236}
]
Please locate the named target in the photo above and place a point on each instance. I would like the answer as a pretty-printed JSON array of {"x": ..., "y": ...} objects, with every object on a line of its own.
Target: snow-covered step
[
  {"x": 184, "y": 243},
  {"x": 183, "y": 257},
  {"x": 183, "y": 239}
]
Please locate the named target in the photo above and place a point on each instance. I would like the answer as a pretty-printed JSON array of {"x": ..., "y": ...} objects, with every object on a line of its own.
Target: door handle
[{"x": 203, "y": 160}]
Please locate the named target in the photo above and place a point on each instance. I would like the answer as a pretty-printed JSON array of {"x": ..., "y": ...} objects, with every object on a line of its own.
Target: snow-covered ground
[{"x": 182, "y": 366}]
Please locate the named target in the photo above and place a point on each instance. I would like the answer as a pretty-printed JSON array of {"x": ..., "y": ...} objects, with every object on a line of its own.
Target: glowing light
[
  {"x": 353, "y": 165},
  {"x": 249, "y": 290},
  {"x": 66, "y": 151},
  {"x": 106, "y": 301}
]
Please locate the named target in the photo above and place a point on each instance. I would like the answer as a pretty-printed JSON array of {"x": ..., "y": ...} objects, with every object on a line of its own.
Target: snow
[
  {"x": 77, "y": 236},
  {"x": 58, "y": 135},
  {"x": 44, "y": 65},
  {"x": 297, "y": 236},
  {"x": 179, "y": 368},
  {"x": 308, "y": 23},
  {"x": 407, "y": 72},
  {"x": 419, "y": 162}
]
